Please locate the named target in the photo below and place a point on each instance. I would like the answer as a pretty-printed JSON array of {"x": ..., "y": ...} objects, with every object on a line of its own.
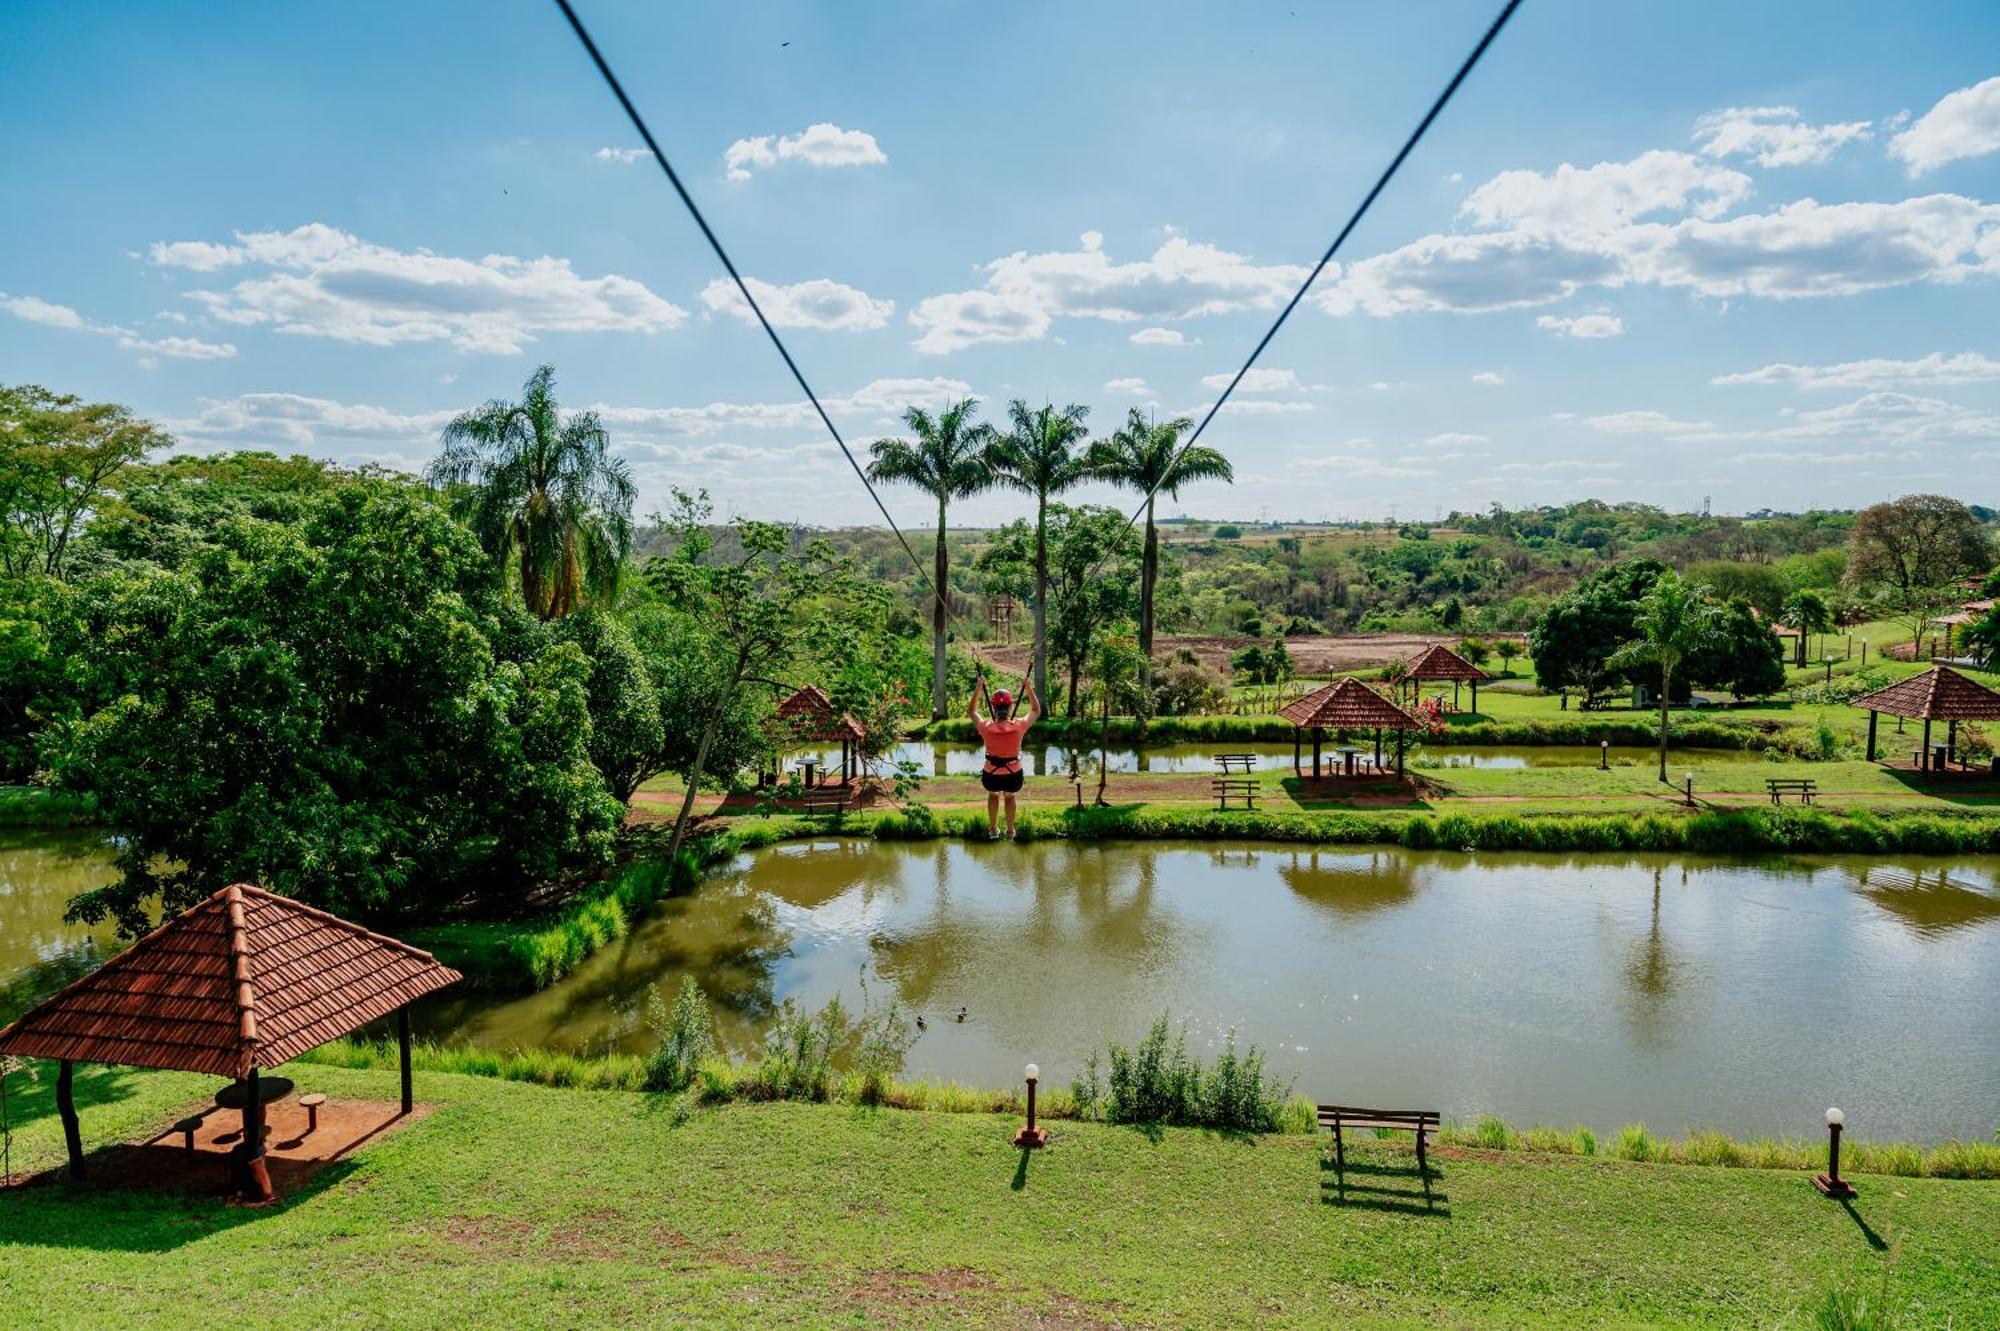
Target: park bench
[
  {"x": 1228, "y": 762},
  {"x": 1227, "y": 788},
  {"x": 823, "y": 799},
  {"x": 1340, "y": 1119},
  {"x": 1779, "y": 787}
]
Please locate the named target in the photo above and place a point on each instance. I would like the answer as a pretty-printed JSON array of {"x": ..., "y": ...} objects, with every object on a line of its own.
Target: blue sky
[{"x": 1659, "y": 253}]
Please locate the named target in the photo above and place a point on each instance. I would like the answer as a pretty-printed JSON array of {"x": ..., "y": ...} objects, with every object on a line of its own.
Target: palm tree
[
  {"x": 1143, "y": 456},
  {"x": 947, "y": 461},
  {"x": 1676, "y": 619},
  {"x": 1039, "y": 456},
  {"x": 1807, "y": 611},
  {"x": 542, "y": 489}
]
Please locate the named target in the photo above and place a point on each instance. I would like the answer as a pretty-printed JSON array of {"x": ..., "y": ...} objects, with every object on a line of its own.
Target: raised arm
[
  {"x": 1028, "y": 696},
  {"x": 972, "y": 706}
]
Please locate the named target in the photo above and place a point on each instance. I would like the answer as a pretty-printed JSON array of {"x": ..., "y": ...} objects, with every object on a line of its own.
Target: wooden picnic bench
[
  {"x": 1339, "y": 1119},
  {"x": 1227, "y": 762},
  {"x": 1779, "y": 787},
  {"x": 1227, "y": 788}
]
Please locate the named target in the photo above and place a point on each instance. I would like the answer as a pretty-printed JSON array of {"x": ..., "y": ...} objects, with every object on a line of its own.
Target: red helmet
[{"x": 1002, "y": 698}]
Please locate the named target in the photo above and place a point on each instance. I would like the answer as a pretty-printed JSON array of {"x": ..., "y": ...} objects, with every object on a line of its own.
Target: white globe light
[
  {"x": 1034, "y": 1073},
  {"x": 1834, "y": 1118}
]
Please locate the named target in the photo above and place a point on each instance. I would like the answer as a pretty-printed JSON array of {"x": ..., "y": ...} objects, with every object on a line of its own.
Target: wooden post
[
  {"x": 1925, "y": 765},
  {"x": 1475, "y": 697},
  {"x": 1950, "y": 740},
  {"x": 1298, "y": 737},
  {"x": 66, "y": 1107},
  {"x": 1318, "y": 734},
  {"x": 1378, "y": 749},
  {"x": 403, "y": 1041},
  {"x": 1400, "y": 735},
  {"x": 1873, "y": 717}
]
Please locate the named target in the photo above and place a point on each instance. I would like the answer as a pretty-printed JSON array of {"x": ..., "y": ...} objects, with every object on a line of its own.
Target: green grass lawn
[{"x": 516, "y": 1205}]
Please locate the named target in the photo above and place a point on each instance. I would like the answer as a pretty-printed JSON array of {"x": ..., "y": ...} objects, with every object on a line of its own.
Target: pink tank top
[{"x": 1003, "y": 738}]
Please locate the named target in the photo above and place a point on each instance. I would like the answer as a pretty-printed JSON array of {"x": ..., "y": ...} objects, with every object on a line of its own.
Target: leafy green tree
[
  {"x": 757, "y": 615},
  {"x": 1040, "y": 456},
  {"x": 60, "y": 458},
  {"x": 1571, "y": 644},
  {"x": 1806, "y": 611},
  {"x": 1982, "y": 638},
  {"x": 947, "y": 460},
  {"x": 1092, "y": 550},
  {"x": 541, "y": 491},
  {"x": 1910, "y": 552},
  {"x": 1728, "y": 579},
  {"x": 1508, "y": 649},
  {"x": 1145, "y": 456},
  {"x": 1118, "y": 686},
  {"x": 1675, "y": 620},
  {"x": 342, "y": 710},
  {"x": 626, "y": 730},
  {"x": 167, "y": 512},
  {"x": 1744, "y": 656}
]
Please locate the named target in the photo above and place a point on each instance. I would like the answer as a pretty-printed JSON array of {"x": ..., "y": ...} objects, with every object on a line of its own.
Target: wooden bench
[
  {"x": 1779, "y": 787},
  {"x": 824, "y": 799},
  {"x": 1227, "y": 788},
  {"x": 1243, "y": 762},
  {"x": 1339, "y": 1119}
]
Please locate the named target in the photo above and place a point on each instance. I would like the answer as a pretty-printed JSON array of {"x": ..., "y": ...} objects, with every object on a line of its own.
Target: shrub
[
  {"x": 686, "y": 1035},
  {"x": 1159, "y": 1083}
]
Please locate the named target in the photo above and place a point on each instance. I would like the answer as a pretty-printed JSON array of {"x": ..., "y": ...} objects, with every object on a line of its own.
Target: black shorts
[{"x": 1002, "y": 777}]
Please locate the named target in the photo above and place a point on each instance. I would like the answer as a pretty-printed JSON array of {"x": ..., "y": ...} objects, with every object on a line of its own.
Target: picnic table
[
  {"x": 1347, "y": 753},
  {"x": 807, "y": 766},
  {"x": 236, "y": 1095}
]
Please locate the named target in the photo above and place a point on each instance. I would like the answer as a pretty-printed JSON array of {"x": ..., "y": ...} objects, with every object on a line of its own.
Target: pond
[
  {"x": 39, "y": 873},
  {"x": 1684, "y": 992},
  {"x": 1576, "y": 989},
  {"x": 937, "y": 759}
]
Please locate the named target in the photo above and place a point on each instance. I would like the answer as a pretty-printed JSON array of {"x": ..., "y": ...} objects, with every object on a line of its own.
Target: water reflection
[
  {"x": 1350, "y": 883},
  {"x": 938, "y": 759},
  {"x": 1930, "y": 902},
  {"x": 39, "y": 873}
]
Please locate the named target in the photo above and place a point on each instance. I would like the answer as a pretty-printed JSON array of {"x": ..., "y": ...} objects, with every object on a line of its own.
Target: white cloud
[
  {"x": 1573, "y": 229},
  {"x": 294, "y": 421},
  {"x": 1254, "y": 380},
  {"x": 621, "y": 156},
  {"x": 1963, "y": 124},
  {"x": 1562, "y": 464},
  {"x": 1875, "y": 420},
  {"x": 1583, "y": 325},
  {"x": 1643, "y": 422},
  {"x": 1491, "y": 378},
  {"x": 1024, "y": 293},
  {"x": 35, "y": 310},
  {"x": 1814, "y": 458},
  {"x": 1966, "y": 367},
  {"x": 1134, "y": 387},
  {"x": 323, "y": 282},
  {"x": 822, "y": 144},
  {"x": 1162, "y": 337},
  {"x": 879, "y": 399},
  {"x": 1772, "y": 135},
  {"x": 819, "y": 303},
  {"x": 1354, "y": 464},
  {"x": 1250, "y": 406},
  {"x": 1608, "y": 196},
  {"x": 1455, "y": 438}
]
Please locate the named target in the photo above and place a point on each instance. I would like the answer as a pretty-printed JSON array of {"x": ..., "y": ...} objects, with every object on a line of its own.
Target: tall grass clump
[
  {"x": 1158, "y": 1083},
  {"x": 686, "y": 1035}
]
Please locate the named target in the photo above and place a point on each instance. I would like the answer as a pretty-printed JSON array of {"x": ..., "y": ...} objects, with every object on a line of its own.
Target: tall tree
[
  {"x": 1676, "y": 620},
  {"x": 1039, "y": 456},
  {"x": 59, "y": 457},
  {"x": 1145, "y": 456},
  {"x": 1092, "y": 554},
  {"x": 1910, "y": 550},
  {"x": 947, "y": 460},
  {"x": 541, "y": 490}
]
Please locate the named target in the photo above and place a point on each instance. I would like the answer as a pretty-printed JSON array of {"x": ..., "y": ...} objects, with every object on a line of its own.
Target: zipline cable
[
  {"x": 1395, "y": 163},
  {"x": 743, "y": 288}
]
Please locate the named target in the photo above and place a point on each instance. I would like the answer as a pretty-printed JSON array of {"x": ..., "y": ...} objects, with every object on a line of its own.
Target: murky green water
[
  {"x": 1549, "y": 989},
  {"x": 1560, "y": 989},
  {"x": 39, "y": 873}
]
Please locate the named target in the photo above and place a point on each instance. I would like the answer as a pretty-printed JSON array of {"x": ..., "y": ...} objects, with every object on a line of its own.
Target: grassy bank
[
  {"x": 721, "y": 1082},
  {"x": 517, "y": 1205},
  {"x": 34, "y": 806}
]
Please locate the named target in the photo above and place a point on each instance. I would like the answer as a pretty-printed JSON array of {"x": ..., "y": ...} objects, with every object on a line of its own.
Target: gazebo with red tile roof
[
  {"x": 1439, "y": 662},
  {"x": 1938, "y": 694},
  {"x": 807, "y": 717},
  {"x": 242, "y": 981},
  {"x": 1346, "y": 704}
]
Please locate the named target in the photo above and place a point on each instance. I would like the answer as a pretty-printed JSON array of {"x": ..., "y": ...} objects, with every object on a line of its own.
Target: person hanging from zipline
[{"x": 1002, "y": 732}]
